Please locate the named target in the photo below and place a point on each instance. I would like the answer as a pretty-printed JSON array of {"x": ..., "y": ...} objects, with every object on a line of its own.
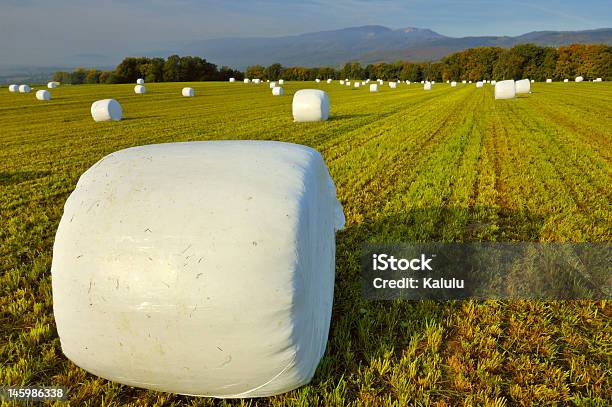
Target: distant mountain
[{"x": 368, "y": 44}]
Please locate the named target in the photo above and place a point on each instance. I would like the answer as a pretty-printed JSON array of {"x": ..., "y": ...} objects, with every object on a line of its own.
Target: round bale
[
  {"x": 310, "y": 105},
  {"x": 140, "y": 89},
  {"x": 579, "y": 79},
  {"x": 24, "y": 89},
  {"x": 140, "y": 81},
  {"x": 52, "y": 85},
  {"x": 374, "y": 87},
  {"x": 277, "y": 91},
  {"x": 43, "y": 94},
  {"x": 232, "y": 80},
  {"x": 13, "y": 88},
  {"x": 427, "y": 85},
  {"x": 505, "y": 89},
  {"x": 523, "y": 86},
  {"x": 188, "y": 92},
  {"x": 106, "y": 110}
]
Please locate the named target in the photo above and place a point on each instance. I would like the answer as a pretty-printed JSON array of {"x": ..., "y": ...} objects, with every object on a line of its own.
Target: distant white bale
[
  {"x": 232, "y": 80},
  {"x": 422, "y": 82},
  {"x": 201, "y": 268},
  {"x": 281, "y": 81},
  {"x": 272, "y": 85},
  {"x": 247, "y": 80},
  {"x": 374, "y": 87},
  {"x": 523, "y": 86},
  {"x": 357, "y": 84},
  {"x": 453, "y": 84},
  {"x": 52, "y": 85},
  {"x": 140, "y": 81},
  {"x": 317, "y": 80},
  {"x": 493, "y": 82},
  {"x": 310, "y": 105},
  {"x": 367, "y": 81},
  {"x": 579, "y": 79},
  {"x": 479, "y": 84},
  {"x": 106, "y": 110},
  {"x": 341, "y": 82},
  {"x": 505, "y": 89},
  {"x": 188, "y": 92},
  {"x": 565, "y": 80},
  {"x": 43, "y": 94},
  {"x": 433, "y": 82},
  {"x": 469, "y": 81},
  {"x": 24, "y": 89},
  {"x": 140, "y": 89},
  {"x": 598, "y": 80},
  {"x": 392, "y": 85},
  {"x": 13, "y": 88},
  {"x": 277, "y": 91},
  {"x": 427, "y": 85},
  {"x": 268, "y": 80},
  {"x": 447, "y": 81},
  {"x": 548, "y": 80},
  {"x": 257, "y": 81},
  {"x": 464, "y": 82},
  {"x": 329, "y": 81},
  {"x": 533, "y": 81},
  {"x": 363, "y": 83},
  {"x": 347, "y": 83}
]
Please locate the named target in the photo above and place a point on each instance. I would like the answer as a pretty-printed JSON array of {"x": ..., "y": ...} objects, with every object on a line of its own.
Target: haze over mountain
[{"x": 372, "y": 43}]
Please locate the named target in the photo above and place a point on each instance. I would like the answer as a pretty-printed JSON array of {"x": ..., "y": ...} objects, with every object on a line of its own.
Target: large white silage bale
[
  {"x": 310, "y": 105},
  {"x": 43, "y": 94},
  {"x": 479, "y": 84},
  {"x": 232, "y": 80},
  {"x": 393, "y": 85},
  {"x": 281, "y": 81},
  {"x": 272, "y": 85},
  {"x": 277, "y": 91},
  {"x": 140, "y": 81},
  {"x": 548, "y": 80},
  {"x": 106, "y": 110},
  {"x": 188, "y": 92},
  {"x": 427, "y": 85},
  {"x": 505, "y": 89},
  {"x": 453, "y": 84},
  {"x": 202, "y": 268},
  {"x": 523, "y": 86},
  {"x": 13, "y": 88},
  {"x": 140, "y": 89},
  {"x": 246, "y": 80},
  {"x": 566, "y": 80},
  {"x": 374, "y": 87},
  {"x": 52, "y": 85},
  {"x": 579, "y": 79},
  {"x": 24, "y": 89}
]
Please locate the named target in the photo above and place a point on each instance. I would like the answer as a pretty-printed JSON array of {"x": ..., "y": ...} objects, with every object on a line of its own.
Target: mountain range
[{"x": 367, "y": 44}]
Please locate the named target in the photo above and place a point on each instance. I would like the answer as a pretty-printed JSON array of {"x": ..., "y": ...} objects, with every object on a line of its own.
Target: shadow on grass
[
  {"x": 11, "y": 178},
  {"x": 348, "y": 116}
]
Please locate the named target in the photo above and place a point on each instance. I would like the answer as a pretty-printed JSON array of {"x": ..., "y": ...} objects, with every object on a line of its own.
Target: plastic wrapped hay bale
[
  {"x": 43, "y": 94},
  {"x": 277, "y": 91},
  {"x": 565, "y": 80},
  {"x": 427, "y": 85},
  {"x": 317, "y": 80},
  {"x": 140, "y": 89},
  {"x": 140, "y": 81},
  {"x": 341, "y": 82},
  {"x": 523, "y": 86},
  {"x": 310, "y": 105},
  {"x": 374, "y": 87},
  {"x": 329, "y": 81},
  {"x": 579, "y": 79},
  {"x": 272, "y": 85},
  {"x": 347, "y": 83},
  {"x": 52, "y": 85},
  {"x": 548, "y": 80},
  {"x": 357, "y": 84},
  {"x": 392, "y": 85},
  {"x": 256, "y": 81},
  {"x": 247, "y": 80},
  {"x": 232, "y": 80},
  {"x": 106, "y": 110},
  {"x": 13, "y": 88},
  {"x": 24, "y": 89},
  {"x": 188, "y": 92},
  {"x": 479, "y": 84},
  {"x": 493, "y": 82},
  {"x": 203, "y": 268},
  {"x": 453, "y": 84},
  {"x": 464, "y": 82},
  {"x": 281, "y": 81},
  {"x": 505, "y": 89}
]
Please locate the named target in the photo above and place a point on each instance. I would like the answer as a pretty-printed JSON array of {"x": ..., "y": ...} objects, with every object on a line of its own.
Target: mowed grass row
[{"x": 409, "y": 165}]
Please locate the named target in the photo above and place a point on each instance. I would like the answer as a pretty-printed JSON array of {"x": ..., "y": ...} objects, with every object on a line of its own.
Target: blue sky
[{"x": 45, "y": 32}]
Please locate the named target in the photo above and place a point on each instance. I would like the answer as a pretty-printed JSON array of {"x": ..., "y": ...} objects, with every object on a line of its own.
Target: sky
[{"x": 60, "y": 32}]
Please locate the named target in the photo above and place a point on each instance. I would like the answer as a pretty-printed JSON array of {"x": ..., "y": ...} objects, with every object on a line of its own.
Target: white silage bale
[
  {"x": 479, "y": 84},
  {"x": 140, "y": 89},
  {"x": 310, "y": 105},
  {"x": 232, "y": 80},
  {"x": 329, "y": 81},
  {"x": 505, "y": 89},
  {"x": 565, "y": 80},
  {"x": 13, "y": 88},
  {"x": 464, "y": 82},
  {"x": 43, "y": 94},
  {"x": 357, "y": 84},
  {"x": 392, "y": 85},
  {"x": 24, "y": 89},
  {"x": 247, "y": 80},
  {"x": 277, "y": 91},
  {"x": 257, "y": 81},
  {"x": 201, "y": 268},
  {"x": 374, "y": 87},
  {"x": 317, "y": 80},
  {"x": 523, "y": 86},
  {"x": 579, "y": 79},
  {"x": 188, "y": 92},
  {"x": 281, "y": 81},
  {"x": 422, "y": 82},
  {"x": 52, "y": 85},
  {"x": 599, "y": 80},
  {"x": 268, "y": 81},
  {"x": 140, "y": 81},
  {"x": 427, "y": 85},
  {"x": 548, "y": 80},
  {"x": 341, "y": 82},
  {"x": 347, "y": 83},
  {"x": 433, "y": 82},
  {"x": 106, "y": 110},
  {"x": 533, "y": 81},
  {"x": 469, "y": 81},
  {"x": 272, "y": 85},
  {"x": 453, "y": 84},
  {"x": 493, "y": 82}
]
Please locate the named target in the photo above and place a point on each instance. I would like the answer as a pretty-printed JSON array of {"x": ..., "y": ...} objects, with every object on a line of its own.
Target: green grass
[{"x": 446, "y": 165}]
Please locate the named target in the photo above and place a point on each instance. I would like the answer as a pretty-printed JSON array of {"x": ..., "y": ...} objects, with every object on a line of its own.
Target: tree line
[
  {"x": 172, "y": 69},
  {"x": 490, "y": 63}
]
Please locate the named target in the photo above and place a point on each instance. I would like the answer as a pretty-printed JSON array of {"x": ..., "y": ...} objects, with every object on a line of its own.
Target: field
[{"x": 446, "y": 165}]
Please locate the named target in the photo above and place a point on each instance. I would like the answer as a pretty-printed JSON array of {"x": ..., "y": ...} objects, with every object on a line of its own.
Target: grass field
[{"x": 446, "y": 165}]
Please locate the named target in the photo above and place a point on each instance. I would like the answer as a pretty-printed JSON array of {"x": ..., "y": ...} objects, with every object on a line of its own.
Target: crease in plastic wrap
[{"x": 203, "y": 268}]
